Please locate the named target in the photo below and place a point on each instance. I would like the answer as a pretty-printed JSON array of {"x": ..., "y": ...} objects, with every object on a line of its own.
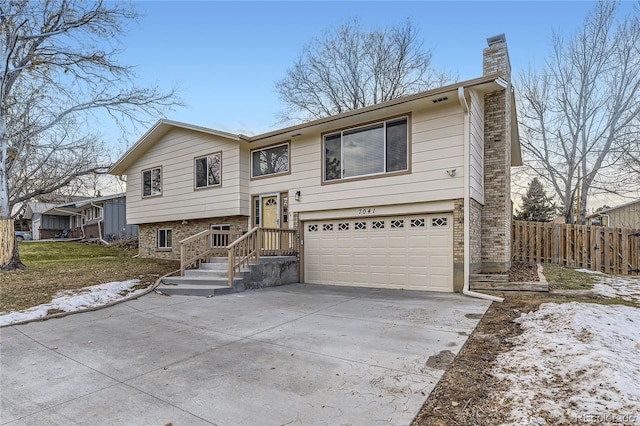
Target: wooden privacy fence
[{"x": 599, "y": 248}]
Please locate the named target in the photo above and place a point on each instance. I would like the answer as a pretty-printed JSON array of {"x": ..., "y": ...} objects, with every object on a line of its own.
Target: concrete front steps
[{"x": 209, "y": 280}]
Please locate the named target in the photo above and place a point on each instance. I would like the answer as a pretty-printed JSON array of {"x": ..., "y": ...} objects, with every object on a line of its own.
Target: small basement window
[{"x": 164, "y": 238}]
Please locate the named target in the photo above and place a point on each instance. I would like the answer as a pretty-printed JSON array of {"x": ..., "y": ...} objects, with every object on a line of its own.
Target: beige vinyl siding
[
  {"x": 175, "y": 153},
  {"x": 476, "y": 136},
  {"x": 625, "y": 216},
  {"x": 437, "y": 145}
]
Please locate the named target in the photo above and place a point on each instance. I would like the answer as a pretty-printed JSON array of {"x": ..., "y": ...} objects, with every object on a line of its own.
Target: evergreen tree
[{"x": 536, "y": 205}]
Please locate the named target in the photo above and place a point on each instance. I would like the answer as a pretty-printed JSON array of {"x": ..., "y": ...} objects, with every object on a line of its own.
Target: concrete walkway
[{"x": 297, "y": 354}]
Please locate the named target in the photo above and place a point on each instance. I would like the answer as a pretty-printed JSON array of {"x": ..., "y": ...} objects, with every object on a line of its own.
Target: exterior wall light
[
  {"x": 297, "y": 196},
  {"x": 451, "y": 172}
]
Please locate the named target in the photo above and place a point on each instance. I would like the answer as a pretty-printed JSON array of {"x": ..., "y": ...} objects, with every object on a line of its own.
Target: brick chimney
[{"x": 496, "y": 212}]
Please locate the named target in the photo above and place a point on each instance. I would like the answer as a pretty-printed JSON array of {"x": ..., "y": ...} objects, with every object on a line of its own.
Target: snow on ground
[
  {"x": 625, "y": 287},
  {"x": 74, "y": 300},
  {"x": 574, "y": 363}
]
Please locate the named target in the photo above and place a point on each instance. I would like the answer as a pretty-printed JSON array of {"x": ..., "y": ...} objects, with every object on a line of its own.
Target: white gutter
[
  {"x": 99, "y": 221},
  {"x": 467, "y": 202}
]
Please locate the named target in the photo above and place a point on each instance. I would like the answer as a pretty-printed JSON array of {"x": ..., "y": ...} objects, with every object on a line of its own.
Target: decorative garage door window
[
  {"x": 380, "y": 224},
  {"x": 397, "y": 223},
  {"x": 377, "y": 224},
  {"x": 417, "y": 223},
  {"x": 439, "y": 222}
]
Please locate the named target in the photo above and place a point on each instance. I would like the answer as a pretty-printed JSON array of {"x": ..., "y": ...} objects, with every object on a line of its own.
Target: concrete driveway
[{"x": 297, "y": 355}]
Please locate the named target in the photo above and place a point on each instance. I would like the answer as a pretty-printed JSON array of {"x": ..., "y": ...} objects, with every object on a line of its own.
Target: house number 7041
[{"x": 366, "y": 211}]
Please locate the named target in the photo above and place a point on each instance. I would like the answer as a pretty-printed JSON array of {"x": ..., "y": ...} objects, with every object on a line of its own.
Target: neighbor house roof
[
  {"x": 353, "y": 117},
  {"x": 34, "y": 207},
  {"x": 76, "y": 206},
  {"x": 610, "y": 209},
  {"x": 620, "y": 206}
]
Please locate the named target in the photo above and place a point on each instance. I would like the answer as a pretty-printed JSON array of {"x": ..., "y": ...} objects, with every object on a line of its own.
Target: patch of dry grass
[
  {"x": 563, "y": 278},
  {"x": 56, "y": 266}
]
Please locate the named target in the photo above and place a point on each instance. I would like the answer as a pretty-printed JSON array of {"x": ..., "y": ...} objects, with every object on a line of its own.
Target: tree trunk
[{"x": 9, "y": 253}]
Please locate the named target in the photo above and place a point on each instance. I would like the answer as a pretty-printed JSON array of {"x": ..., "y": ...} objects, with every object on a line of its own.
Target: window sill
[
  {"x": 165, "y": 249},
  {"x": 366, "y": 177}
]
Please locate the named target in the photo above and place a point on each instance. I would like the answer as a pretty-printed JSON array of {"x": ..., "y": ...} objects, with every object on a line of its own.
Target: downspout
[
  {"x": 73, "y": 214},
  {"x": 99, "y": 222},
  {"x": 467, "y": 202},
  {"x": 604, "y": 215}
]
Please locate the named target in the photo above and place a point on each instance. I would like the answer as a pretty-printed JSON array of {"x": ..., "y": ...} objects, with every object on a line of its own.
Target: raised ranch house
[{"x": 413, "y": 193}]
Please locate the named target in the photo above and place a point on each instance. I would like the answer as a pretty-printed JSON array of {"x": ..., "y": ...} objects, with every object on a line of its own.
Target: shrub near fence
[{"x": 599, "y": 248}]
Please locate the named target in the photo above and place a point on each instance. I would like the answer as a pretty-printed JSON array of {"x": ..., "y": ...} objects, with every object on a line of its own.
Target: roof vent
[
  {"x": 497, "y": 39},
  {"x": 435, "y": 101}
]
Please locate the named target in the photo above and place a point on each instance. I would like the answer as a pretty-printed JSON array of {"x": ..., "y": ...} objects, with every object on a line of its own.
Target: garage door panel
[{"x": 403, "y": 252}]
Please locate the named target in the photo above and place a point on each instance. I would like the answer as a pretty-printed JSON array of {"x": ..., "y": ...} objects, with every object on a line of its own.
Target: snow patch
[
  {"x": 573, "y": 360},
  {"x": 75, "y": 300},
  {"x": 589, "y": 271},
  {"x": 626, "y": 288}
]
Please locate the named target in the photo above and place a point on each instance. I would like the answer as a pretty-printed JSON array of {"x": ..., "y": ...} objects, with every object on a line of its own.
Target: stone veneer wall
[
  {"x": 496, "y": 214},
  {"x": 148, "y": 237}
]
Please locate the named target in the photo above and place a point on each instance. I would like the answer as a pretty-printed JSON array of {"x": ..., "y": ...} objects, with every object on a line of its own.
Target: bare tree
[
  {"x": 58, "y": 70},
  {"x": 350, "y": 68},
  {"x": 580, "y": 112}
]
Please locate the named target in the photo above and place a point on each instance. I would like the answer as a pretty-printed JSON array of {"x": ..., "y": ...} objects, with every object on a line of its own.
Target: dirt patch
[
  {"x": 441, "y": 361},
  {"x": 523, "y": 272}
]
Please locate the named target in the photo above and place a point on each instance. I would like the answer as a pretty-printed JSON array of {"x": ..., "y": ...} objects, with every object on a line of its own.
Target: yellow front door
[
  {"x": 270, "y": 220},
  {"x": 270, "y": 212}
]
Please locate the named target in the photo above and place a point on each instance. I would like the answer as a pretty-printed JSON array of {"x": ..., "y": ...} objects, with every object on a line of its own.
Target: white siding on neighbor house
[
  {"x": 476, "y": 136},
  {"x": 175, "y": 153},
  {"x": 437, "y": 145}
]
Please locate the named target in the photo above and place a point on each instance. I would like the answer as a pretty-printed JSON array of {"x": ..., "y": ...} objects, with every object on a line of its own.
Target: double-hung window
[
  {"x": 208, "y": 170},
  {"x": 374, "y": 149},
  {"x": 272, "y": 160},
  {"x": 164, "y": 238},
  {"x": 152, "y": 182}
]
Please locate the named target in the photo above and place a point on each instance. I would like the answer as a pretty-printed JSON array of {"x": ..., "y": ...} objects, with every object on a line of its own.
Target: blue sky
[{"x": 226, "y": 56}]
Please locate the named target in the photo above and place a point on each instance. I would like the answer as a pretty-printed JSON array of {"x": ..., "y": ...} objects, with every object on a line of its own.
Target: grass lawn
[
  {"x": 563, "y": 278},
  {"x": 55, "y": 266}
]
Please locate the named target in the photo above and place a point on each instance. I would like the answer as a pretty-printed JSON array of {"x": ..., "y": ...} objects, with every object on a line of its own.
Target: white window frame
[
  {"x": 195, "y": 172},
  {"x": 268, "y": 148},
  {"x": 165, "y": 238},
  {"x": 152, "y": 194},
  {"x": 384, "y": 147}
]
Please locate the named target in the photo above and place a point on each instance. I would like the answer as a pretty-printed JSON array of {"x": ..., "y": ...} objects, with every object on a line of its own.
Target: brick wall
[
  {"x": 148, "y": 237},
  {"x": 496, "y": 213},
  {"x": 475, "y": 230}
]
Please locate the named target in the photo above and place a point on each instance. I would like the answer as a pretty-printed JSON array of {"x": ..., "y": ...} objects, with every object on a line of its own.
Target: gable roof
[
  {"x": 34, "y": 207},
  {"x": 76, "y": 206},
  {"x": 620, "y": 206},
  {"x": 485, "y": 84}
]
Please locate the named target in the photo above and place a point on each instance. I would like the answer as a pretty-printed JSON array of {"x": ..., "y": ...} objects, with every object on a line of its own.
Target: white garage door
[{"x": 409, "y": 252}]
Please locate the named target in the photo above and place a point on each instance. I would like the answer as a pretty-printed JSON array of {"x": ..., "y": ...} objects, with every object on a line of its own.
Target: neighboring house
[
  {"x": 34, "y": 215},
  {"x": 101, "y": 217},
  {"x": 412, "y": 193},
  {"x": 623, "y": 216}
]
